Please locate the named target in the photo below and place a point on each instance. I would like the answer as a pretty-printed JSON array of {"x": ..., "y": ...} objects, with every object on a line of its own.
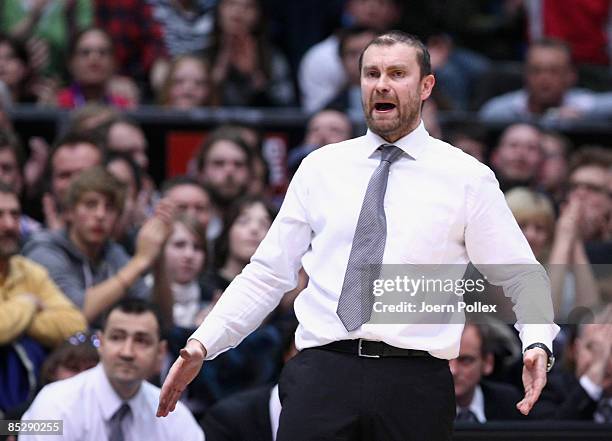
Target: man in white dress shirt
[
  {"x": 354, "y": 380},
  {"x": 113, "y": 401}
]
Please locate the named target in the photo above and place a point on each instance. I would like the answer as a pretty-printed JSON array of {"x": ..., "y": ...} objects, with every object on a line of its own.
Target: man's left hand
[{"x": 534, "y": 378}]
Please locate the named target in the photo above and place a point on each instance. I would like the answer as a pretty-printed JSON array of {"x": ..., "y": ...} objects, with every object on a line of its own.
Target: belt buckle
[{"x": 361, "y": 354}]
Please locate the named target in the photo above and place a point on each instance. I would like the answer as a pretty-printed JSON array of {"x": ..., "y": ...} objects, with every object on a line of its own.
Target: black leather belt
[{"x": 372, "y": 349}]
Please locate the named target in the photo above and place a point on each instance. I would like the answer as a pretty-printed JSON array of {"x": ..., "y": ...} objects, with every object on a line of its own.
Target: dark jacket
[{"x": 244, "y": 416}]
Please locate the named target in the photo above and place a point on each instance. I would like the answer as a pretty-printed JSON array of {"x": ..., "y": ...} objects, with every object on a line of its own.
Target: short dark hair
[
  {"x": 393, "y": 37},
  {"x": 177, "y": 181},
  {"x": 77, "y": 137},
  {"x": 112, "y": 156},
  {"x": 96, "y": 179},
  {"x": 486, "y": 337},
  {"x": 134, "y": 306},
  {"x": 223, "y": 134},
  {"x": 74, "y": 41},
  {"x": 346, "y": 34},
  {"x": 590, "y": 156}
]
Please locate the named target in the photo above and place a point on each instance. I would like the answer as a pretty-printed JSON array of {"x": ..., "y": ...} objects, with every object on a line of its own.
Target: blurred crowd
[{"x": 105, "y": 270}]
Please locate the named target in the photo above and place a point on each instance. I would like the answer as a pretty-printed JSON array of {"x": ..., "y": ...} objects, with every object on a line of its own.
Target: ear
[
  {"x": 427, "y": 85},
  {"x": 100, "y": 336},
  {"x": 488, "y": 364}
]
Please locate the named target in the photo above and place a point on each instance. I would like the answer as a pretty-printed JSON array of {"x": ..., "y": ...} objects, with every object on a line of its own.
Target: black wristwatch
[{"x": 551, "y": 357}]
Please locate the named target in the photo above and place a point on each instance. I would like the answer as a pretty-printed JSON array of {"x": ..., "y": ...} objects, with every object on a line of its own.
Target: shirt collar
[
  {"x": 477, "y": 405},
  {"x": 413, "y": 143},
  {"x": 109, "y": 401}
]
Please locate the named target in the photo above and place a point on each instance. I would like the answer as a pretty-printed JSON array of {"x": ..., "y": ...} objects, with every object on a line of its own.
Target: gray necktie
[
  {"x": 356, "y": 298},
  {"x": 603, "y": 413},
  {"x": 466, "y": 415},
  {"x": 116, "y": 433}
]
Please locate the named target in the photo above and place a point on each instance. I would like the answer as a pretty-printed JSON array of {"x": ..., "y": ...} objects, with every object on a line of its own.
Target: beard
[
  {"x": 225, "y": 194},
  {"x": 406, "y": 118},
  {"x": 9, "y": 246}
]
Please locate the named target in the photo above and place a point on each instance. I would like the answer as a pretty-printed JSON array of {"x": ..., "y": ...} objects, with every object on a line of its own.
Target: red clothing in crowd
[{"x": 586, "y": 25}]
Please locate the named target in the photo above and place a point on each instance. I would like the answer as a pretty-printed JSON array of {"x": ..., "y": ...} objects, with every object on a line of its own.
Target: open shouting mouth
[{"x": 384, "y": 107}]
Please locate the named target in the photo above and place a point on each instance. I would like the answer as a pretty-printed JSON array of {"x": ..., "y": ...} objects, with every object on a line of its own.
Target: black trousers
[{"x": 333, "y": 396}]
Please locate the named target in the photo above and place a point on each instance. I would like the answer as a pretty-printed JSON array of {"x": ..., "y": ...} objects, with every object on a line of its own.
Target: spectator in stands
[
  {"x": 17, "y": 74},
  {"x": 471, "y": 138},
  {"x": 351, "y": 45},
  {"x": 187, "y": 84},
  {"x": 478, "y": 400},
  {"x": 549, "y": 79},
  {"x": 535, "y": 214},
  {"x": 125, "y": 135},
  {"x": 137, "y": 37},
  {"x": 34, "y": 313},
  {"x": 324, "y": 127},
  {"x": 48, "y": 27},
  {"x": 224, "y": 166},
  {"x": 72, "y": 154},
  {"x": 127, "y": 172},
  {"x": 457, "y": 69},
  {"x": 91, "y": 67},
  {"x": 76, "y": 354},
  {"x": 246, "y": 70},
  {"x": 11, "y": 163},
  {"x": 190, "y": 198},
  {"x": 31, "y": 303},
  {"x": 113, "y": 400},
  {"x": 558, "y": 245},
  {"x": 585, "y": 393},
  {"x": 589, "y": 179},
  {"x": 186, "y": 25},
  {"x": 247, "y": 222},
  {"x": 518, "y": 155},
  {"x": 553, "y": 172},
  {"x": 89, "y": 267},
  {"x": 321, "y": 74},
  {"x": 184, "y": 256}
]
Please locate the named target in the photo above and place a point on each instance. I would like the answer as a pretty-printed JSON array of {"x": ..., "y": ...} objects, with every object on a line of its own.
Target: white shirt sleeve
[
  {"x": 493, "y": 236},
  {"x": 272, "y": 272}
]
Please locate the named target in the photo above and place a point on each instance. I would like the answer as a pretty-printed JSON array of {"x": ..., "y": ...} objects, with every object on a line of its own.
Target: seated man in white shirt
[
  {"x": 549, "y": 90},
  {"x": 479, "y": 401},
  {"x": 113, "y": 400}
]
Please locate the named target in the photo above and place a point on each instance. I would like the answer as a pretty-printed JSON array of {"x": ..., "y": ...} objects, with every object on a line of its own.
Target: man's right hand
[{"x": 182, "y": 372}]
